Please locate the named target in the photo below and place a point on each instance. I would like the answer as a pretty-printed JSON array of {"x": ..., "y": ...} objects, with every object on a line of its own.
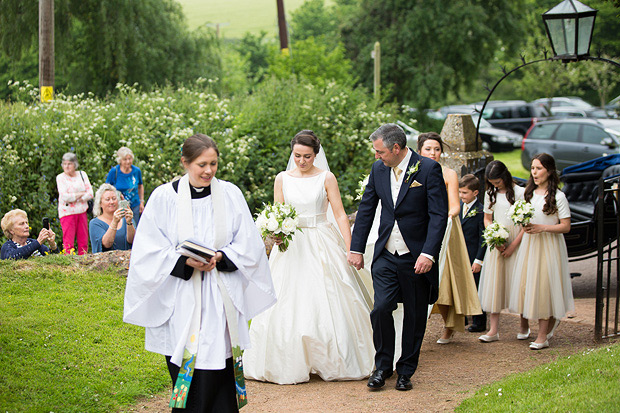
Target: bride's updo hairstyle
[
  {"x": 195, "y": 145},
  {"x": 307, "y": 138}
]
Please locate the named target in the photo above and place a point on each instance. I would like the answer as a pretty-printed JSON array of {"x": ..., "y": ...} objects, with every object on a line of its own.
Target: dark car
[
  {"x": 493, "y": 139},
  {"x": 571, "y": 141},
  {"x": 514, "y": 115}
]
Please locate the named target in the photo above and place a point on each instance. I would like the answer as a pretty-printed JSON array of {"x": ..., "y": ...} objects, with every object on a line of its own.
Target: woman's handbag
[{"x": 90, "y": 202}]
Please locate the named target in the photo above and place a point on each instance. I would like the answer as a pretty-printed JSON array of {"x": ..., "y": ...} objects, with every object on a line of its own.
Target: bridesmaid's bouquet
[
  {"x": 278, "y": 221},
  {"x": 495, "y": 235},
  {"x": 521, "y": 212}
]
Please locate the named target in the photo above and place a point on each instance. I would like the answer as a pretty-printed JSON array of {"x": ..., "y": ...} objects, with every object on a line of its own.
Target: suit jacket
[
  {"x": 473, "y": 227},
  {"x": 421, "y": 210}
]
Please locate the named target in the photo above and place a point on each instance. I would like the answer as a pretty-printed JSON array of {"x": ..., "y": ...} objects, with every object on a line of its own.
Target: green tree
[
  {"x": 313, "y": 19},
  {"x": 312, "y": 60},
  {"x": 100, "y": 43},
  {"x": 256, "y": 49},
  {"x": 432, "y": 47}
]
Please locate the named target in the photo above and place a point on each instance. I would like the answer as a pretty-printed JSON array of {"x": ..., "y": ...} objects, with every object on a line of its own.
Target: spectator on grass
[
  {"x": 113, "y": 227},
  {"x": 127, "y": 178},
  {"x": 74, "y": 192},
  {"x": 20, "y": 246}
]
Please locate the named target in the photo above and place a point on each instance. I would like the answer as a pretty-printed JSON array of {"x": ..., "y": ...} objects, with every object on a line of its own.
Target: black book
[{"x": 193, "y": 249}]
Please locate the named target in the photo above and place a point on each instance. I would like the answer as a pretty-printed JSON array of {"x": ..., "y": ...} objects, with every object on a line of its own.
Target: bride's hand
[{"x": 277, "y": 239}]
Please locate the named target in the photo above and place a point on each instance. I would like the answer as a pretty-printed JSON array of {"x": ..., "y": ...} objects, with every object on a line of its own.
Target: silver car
[{"x": 571, "y": 141}]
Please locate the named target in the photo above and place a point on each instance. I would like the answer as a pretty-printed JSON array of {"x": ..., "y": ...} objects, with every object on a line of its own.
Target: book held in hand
[{"x": 194, "y": 249}]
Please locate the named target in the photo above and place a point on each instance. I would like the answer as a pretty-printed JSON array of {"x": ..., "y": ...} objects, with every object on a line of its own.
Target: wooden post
[
  {"x": 46, "y": 50},
  {"x": 376, "y": 54},
  {"x": 282, "y": 28}
]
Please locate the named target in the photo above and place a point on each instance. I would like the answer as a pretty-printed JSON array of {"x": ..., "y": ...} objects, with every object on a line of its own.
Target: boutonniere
[
  {"x": 412, "y": 170},
  {"x": 471, "y": 213}
]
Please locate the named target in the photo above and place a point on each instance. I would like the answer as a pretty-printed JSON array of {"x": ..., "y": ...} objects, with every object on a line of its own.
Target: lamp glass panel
[
  {"x": 562, "y": 32},
  {"x": 585, "y": 33}
]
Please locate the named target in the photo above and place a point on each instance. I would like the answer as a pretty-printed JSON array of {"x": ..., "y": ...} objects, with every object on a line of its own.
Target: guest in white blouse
[{"x": 74, "y": 192}]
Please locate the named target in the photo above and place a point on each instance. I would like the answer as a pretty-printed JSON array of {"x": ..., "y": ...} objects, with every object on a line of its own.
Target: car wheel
[{"x": 486, "y": 146}]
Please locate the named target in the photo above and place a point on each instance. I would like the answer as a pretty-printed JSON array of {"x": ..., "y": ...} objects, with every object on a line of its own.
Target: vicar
[{"x": 414, "y": 212}]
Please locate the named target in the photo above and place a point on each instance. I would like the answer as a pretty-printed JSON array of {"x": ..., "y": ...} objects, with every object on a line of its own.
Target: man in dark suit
[
  {"x": 472, "y": 222},
  {"x": 414, "y": 211}
]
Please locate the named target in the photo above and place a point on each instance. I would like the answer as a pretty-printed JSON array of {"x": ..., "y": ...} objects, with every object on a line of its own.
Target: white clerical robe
[{"x": 163, "y": 304}]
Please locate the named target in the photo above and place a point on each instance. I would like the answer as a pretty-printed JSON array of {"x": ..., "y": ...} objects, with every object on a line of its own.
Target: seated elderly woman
[
  {"x": 113, "y": 227},
  {"x": 19, "y": 246}
]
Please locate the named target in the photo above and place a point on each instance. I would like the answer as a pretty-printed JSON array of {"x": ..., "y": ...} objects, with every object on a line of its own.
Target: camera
[
  {"x": 46, "y": 223},
  {"x": 123, "y": 204}
]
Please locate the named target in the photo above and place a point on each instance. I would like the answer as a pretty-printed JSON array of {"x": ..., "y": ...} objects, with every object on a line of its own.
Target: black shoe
[
  {"x": 476, "y": 329},
  {"x": 377, "y": 379},
  {"x": 403, "y": 383}
]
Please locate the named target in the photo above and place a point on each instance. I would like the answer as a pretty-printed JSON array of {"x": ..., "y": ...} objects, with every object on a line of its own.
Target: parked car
[
  {"x": 564, "y": 101},
  {"x": 514, "y": 115},
  {"x": 493, "y": 139},
  {"x": 575, "y": 112},
  {"x": 571, "y": 141},
  {"x": 613, "y": 107},
  {"x": 411, "y": 133}
]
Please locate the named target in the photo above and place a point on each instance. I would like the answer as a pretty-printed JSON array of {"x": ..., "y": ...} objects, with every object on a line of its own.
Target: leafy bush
[{"x": 252, "y": 131}]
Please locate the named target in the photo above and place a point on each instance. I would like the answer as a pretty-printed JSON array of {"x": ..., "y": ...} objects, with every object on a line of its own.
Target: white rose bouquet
[
  {"x": 495, "y": 235},
  {"x": 361, "y": 187},
  {"x": 278, "y": 221},
  {"x": 521, "y": 212}
]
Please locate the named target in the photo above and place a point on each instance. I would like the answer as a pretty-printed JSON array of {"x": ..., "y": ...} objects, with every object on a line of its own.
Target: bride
[{"x": 320, "y": 323}]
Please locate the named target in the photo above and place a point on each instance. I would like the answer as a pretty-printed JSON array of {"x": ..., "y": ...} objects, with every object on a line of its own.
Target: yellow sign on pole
[{"x": 47, "y": 94}]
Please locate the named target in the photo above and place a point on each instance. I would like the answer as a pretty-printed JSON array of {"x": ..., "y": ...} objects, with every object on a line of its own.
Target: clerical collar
[{"x": 195, "y": 192}]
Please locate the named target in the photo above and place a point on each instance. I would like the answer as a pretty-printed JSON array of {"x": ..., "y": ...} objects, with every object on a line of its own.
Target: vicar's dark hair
[
  {"x": 195, "y": 145},
  {"x": 430, "y": 136},
  {"x": 498, "y": 170},
  {"x": 553, "y": 182},
  {"x": 306, "y": 138},
  {"x": 391, "y": 134},
  {"x": 470, "y": 182}
]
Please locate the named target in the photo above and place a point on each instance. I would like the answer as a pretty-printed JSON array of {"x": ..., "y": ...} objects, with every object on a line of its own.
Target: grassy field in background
[
  {"x": 237, "y": 16},
  {"x": 63, "y": 344},
  {"x": 513, "y": 162},
  {"x": 585, "y": 382}
]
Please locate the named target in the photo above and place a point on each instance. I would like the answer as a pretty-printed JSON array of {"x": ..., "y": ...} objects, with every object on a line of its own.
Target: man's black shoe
[
  {"x": 377, "y": 379},
  {"x": 476, "y": 329},
  {"x": 403, "y": 383}
]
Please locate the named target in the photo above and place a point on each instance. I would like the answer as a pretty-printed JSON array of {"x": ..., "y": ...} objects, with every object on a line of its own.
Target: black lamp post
[{"x": 569, "y": 27}]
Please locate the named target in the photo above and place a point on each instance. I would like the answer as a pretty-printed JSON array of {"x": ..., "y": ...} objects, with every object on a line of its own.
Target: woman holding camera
[
  {"x": 113, "y": 227},
  {"x": 20, "y": 246}
]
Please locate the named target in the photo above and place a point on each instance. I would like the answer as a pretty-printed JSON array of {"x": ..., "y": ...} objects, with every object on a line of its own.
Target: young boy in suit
[{"x": 472, "y": 222}]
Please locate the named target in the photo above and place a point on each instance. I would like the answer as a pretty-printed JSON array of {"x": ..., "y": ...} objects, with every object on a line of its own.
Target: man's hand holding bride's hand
[
  {"x": 423, "y": 265},
  {"x": 356, "y": 260}
]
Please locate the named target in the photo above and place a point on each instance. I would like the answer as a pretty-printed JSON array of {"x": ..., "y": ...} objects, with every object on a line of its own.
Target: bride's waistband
[{"x": 311, "y": 221}]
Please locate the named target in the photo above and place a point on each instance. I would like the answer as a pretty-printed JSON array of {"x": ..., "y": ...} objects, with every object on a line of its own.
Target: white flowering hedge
[{"x": 252, "y": 131}]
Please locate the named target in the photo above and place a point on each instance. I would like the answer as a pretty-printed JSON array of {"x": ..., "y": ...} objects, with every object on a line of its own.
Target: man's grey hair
[
  {"x": 391, "y": 134},
  {"x": 70, "y": 157}
]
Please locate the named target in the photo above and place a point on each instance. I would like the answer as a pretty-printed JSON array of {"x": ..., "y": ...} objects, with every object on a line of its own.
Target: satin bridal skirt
[
  {"x": 496, "y": 276},
  {"x": 541, "y": 285},
  {"x": 457, "y": 288},
  {"x": 321, "y": 321}
]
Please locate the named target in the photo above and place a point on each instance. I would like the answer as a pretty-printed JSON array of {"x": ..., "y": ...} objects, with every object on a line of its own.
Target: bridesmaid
[
  {"x": 457, "y": 289},
  {"x": 497, "y": 270},
  {"x": 541, "y": 288}
]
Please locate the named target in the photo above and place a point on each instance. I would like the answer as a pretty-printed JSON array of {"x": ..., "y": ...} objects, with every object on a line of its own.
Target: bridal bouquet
[
  {"x": 521, "y": 212},
  {"x": 278, "y": 221},
  {"x": 495, "y": 235}
]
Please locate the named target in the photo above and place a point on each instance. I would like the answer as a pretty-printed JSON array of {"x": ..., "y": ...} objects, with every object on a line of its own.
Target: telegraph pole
[
  {"x": 46, "y": 50},
  {"x": 282, "y": 28},
  {"x": 376, "y": 55}
]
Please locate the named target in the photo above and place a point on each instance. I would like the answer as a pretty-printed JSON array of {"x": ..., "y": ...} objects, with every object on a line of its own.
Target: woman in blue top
[
  {"x": 20, "y": 245},
  {"x": 127, "y": 178},
  {"x": 108, "y": 230}
]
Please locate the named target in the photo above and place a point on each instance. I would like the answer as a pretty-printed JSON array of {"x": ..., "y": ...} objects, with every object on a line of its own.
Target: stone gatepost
[{"x": 459, "y": 133}]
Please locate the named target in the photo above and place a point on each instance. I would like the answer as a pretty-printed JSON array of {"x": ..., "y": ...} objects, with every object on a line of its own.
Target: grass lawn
[
  {"x": 237, "y": 16},
  {"x": 513, "y": 161},
  {"x": 63, "y": 344},
  {"x": 585, "y": 382}
]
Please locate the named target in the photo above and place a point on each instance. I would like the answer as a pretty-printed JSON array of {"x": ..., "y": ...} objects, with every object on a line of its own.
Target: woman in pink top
[{"x": 74, "y": 191}]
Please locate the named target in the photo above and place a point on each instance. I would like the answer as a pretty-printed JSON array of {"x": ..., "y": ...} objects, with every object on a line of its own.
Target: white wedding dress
[{"x": 320, "y": 323}]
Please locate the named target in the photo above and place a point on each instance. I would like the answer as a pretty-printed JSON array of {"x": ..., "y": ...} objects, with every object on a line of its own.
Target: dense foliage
[{"x": 253, "y": 133}]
